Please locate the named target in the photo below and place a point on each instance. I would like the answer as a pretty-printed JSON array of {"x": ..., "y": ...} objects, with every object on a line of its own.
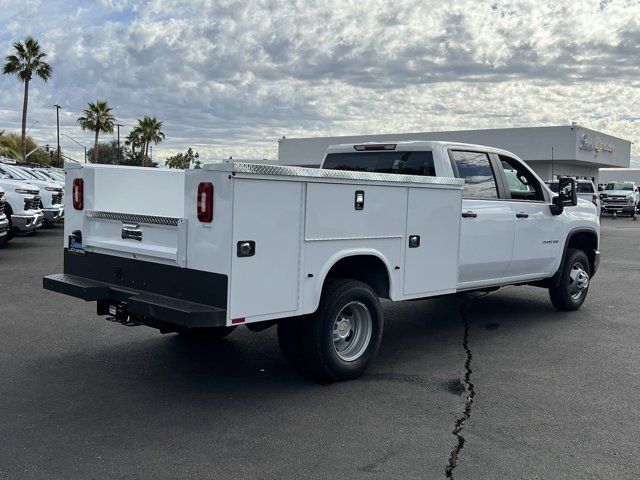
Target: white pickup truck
[{"x": 313, "y": 250}]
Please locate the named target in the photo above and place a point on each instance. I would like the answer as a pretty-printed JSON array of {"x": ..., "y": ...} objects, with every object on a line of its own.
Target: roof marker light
[{"x": 375, "y": 146}]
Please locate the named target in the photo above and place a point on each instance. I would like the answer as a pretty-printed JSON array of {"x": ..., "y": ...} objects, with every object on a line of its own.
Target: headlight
[
  {"x": 52, "y": 189},
  {"x": 24, "y": 191}
]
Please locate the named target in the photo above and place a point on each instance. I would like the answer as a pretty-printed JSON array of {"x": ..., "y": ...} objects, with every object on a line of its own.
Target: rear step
[{"x": 174, "y": 311}]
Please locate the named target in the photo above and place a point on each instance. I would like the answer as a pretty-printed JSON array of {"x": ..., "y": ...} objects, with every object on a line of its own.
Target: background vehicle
[
  {"x": 313, "y": 250},
  {"x": 620, "y": 197},
  {"x": 4, "y": 222},
  {"x": 51, "y": 194},
  {"x": 21, "y": 206},
  {"x": 585, "y": 190}
]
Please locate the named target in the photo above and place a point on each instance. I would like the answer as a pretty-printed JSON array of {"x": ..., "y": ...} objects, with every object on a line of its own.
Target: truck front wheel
[
  {"x": 572, "y": 289},
  {"x": 340, "y": 340}
]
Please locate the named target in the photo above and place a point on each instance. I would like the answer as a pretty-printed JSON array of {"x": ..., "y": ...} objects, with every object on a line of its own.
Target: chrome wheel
[
  {"x": 578, "y": 281},
  {"x": 352, "y": 330}
]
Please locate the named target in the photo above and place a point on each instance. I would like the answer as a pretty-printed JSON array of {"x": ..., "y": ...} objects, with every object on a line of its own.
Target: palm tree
[
  {"x": 97, "y": 117},
  {"x": 133, "y": 140},
  {"x": 27, "y": 61},
  {"x": 149, "y": 130}
]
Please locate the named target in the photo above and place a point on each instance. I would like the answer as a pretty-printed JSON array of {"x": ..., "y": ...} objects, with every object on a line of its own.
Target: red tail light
[
  {"x": 205, "y": 202},
  {"x": 78, "y": 193}
]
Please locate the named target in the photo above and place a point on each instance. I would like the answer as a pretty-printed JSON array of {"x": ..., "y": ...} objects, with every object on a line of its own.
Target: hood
[
  {"x": 9, "y": 184},
  {"x": 623, "y": 193}
]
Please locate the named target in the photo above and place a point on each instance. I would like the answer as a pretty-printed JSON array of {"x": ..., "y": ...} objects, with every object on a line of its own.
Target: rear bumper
[{"x": 158, "y": 310}]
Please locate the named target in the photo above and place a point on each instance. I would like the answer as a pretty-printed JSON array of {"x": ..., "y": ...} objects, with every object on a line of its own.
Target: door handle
[
  {"x": 522, "y": 215},
  {"x": 469, "y": 214}
]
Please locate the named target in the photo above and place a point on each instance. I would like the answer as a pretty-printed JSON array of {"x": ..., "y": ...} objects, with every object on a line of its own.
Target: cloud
[{"x": 230, "y": 77}]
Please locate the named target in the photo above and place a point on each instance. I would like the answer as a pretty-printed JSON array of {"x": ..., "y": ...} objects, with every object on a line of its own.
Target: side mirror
[{"x": 567, "y": 196}]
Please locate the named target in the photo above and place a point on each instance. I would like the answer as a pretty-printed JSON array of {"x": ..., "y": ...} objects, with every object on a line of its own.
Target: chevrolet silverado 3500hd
[{"x": 313, "y": 250}]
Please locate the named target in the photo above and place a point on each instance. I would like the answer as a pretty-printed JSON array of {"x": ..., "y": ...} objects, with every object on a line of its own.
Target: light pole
[
  {"x": 58, "y": 107},
  {"x": 151, "y": 154},
  {"x": 78, "y": 143},
  {"x": 119, "y": 125}
]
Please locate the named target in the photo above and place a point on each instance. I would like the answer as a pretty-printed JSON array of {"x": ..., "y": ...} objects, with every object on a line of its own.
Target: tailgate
[{"x": 138, "y": 212}]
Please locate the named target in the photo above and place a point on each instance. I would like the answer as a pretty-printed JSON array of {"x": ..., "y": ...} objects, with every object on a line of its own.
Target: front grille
[
  {"x": 56, "y": 198},
  {"x": 32, "y": 203}
]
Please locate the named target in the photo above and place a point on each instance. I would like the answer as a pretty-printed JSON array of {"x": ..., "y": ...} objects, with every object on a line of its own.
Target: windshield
[
  {"x": 29, "y": 173},
  {"x": 619, "y": 186},
  {"x": 15, "y": 173}
]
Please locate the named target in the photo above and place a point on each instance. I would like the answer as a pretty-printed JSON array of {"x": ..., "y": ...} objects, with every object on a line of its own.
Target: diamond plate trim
[
  {"x": 133, "y": 218},
  {"x": 283, "y": 170}
]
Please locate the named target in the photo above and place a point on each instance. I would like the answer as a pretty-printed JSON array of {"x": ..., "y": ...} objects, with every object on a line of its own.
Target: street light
[
  {"x": 78, "y": 143},
  {"x": 119, "y": 125},
  {"x": 58, "y": 107}
]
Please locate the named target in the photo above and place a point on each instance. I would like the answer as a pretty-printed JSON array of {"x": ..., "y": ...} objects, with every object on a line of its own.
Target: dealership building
[{"x": 572, "y": 150}]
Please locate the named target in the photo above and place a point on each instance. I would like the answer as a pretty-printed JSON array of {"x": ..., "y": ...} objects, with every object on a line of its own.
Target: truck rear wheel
[
  {"x": 572, "y": 289},
  {"x": 340, "y": 340}
]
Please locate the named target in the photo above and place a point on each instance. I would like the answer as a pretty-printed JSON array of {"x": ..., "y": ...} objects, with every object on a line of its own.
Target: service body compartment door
[
  {"x": 268, "y": 213},
  {"x": 431, "y": 262}
]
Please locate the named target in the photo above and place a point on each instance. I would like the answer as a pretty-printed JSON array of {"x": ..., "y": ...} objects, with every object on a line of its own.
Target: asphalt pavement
[{"x": 555, "y": 395}]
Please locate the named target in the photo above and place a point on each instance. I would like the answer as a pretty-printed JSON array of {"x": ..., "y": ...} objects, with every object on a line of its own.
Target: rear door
[{"x": 488, "y": 224}]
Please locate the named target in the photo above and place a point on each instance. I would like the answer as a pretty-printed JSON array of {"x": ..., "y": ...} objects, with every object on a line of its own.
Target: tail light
[
  {"x": 78, "y": 193},
  {"x": 205, "y": 202},
  {"x": 594, "y": 199}
]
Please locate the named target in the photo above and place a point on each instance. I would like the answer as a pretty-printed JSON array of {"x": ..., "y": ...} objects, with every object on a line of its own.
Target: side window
[
  {"x": 476, "y": 170},
  {"x": 521, "y": 183}
]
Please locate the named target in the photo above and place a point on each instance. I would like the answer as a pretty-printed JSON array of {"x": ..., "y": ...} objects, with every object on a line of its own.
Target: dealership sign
[{"x": 594, "y": 144}]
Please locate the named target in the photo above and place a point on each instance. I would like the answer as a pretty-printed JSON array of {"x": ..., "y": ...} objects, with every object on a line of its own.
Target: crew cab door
[
  {"x": 538, "y": 233},
  {"x": 488, "y": 223}
]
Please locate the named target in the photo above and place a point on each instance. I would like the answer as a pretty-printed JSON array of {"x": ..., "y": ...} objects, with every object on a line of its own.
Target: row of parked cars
[
  {"x": 621, "y": 197},
  {"x": 30, "y": 198}
]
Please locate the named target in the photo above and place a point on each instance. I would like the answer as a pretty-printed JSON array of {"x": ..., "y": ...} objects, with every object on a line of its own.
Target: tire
[
  {"x": 208, "y": 334},
  {"x": 8, "y": 212},
  {"x": 341, "y": 339},
  {"x": 571, "y": 291}
]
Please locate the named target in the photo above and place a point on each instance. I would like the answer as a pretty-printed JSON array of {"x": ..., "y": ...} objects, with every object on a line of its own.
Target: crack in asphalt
[{"x": 471, "y": 393}]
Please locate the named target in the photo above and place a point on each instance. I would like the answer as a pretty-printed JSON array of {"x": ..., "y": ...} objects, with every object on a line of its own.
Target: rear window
[
  {"x": 584, "y": 187},
  {"x": 403, "y": 163}
]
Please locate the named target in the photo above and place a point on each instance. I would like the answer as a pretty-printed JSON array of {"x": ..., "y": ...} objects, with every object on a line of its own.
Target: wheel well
[
  {"x": 587, "y": 242},
  {"x": 368, "y": 269}
]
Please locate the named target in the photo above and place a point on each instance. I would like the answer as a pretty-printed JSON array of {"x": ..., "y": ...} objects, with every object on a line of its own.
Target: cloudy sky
[{"x": 230, "y": 77}]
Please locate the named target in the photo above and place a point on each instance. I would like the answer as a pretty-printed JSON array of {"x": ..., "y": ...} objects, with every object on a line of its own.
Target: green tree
[
  {"x": 107, "y": 152},
  {"x": 149, "y": 130},
  {"x": 97, "y": 117},
  {"x": 27, "y": 61},
  {"x": 9, "y": 146},
  {"x": 183, "y": 160},
  {"x": 133, "y": 140}
]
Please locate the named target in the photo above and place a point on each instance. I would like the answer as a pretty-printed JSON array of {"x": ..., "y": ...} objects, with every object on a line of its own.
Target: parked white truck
[{"x": 313, "y": 250}]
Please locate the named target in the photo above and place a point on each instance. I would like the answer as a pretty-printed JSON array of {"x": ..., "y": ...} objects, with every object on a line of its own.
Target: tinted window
[
  {"x": 554, "y": 186},
  {"x": 407, "y": 163},
  {"x": 476, "y": 170},
  {"x": 520, "y": 181},
  {"x": 583, "y": 187}
]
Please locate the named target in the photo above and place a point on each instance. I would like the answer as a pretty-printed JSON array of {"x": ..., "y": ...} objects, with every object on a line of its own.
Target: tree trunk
[
  {"x": 24, "y": 120},
  {"x": 142, "y": 154},
  {"x": 95, "y": 148}
]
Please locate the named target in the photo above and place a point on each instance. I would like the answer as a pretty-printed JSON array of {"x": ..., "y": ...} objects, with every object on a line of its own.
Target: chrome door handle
[
  {"x": 522, "y": 215},
  {"x": 469, "y": 214}
]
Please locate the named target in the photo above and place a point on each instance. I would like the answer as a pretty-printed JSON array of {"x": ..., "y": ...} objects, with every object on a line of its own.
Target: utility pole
[
  {"x": 552, "y": 164},
  {"x": 151, "y": 154},
  {"x": 119, "y": 125},
  {"x": 58, "y": 107}
]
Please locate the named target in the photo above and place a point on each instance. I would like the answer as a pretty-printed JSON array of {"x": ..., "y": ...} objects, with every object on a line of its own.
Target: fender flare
[{"x": 555, "y": 279}]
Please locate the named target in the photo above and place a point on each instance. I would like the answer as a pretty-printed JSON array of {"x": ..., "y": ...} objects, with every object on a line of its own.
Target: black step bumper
[{"x": 156, "y": 310}]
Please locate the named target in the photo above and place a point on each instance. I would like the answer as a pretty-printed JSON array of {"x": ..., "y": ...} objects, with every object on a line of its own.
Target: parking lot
[{"x": 556, "y": 394}]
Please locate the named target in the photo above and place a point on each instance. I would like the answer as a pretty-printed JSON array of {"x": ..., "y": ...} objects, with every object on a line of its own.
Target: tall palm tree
[
  {"x": 149, "y": 131},
  {"x": 133, "y": 140},
  {"x": 27, "y": 61},
  {"x": 97, "y": 117}
]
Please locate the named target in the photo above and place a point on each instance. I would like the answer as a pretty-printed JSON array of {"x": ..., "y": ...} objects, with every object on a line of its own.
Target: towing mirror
[{"x": 566, "y": 197}]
